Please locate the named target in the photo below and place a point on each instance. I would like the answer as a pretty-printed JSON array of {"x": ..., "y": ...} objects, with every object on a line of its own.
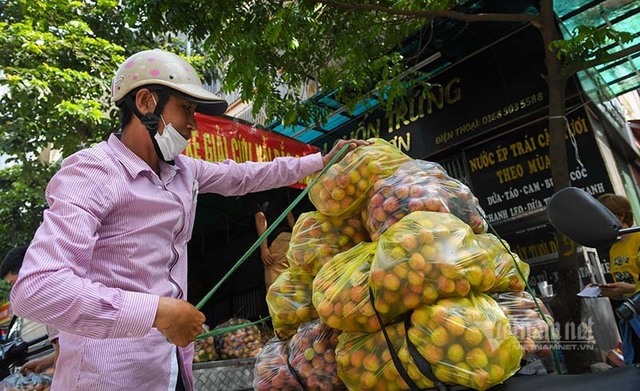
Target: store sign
[
  {"x": 537, "y": 242},
  {"x": 511, "y": 175},
  {"x": 220, "y": 138},
  {"x": 490, "y": 89}
]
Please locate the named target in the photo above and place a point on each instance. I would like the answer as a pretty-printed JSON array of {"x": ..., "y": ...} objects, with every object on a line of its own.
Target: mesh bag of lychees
[
  {"x": 243, "y": 342},
  {"x": 271, "y": 371},
  {"x": 341, "y": 291},
  {"x": 507, "y": 263},
  {"x": 316, "y": 238},
  {"x": 424, "y": 257},
  {"x": 312, "y": 356},
  {"x": 204, "y": 350},
  {"x": 365, "y": 363},
  {"x": 420, "y": 185},
  {"x": 289, "y": 302},
  {"x": 467, "y": 341},
  {"x": 344, "y": 187},
  {"x": 527, "y": 324}
]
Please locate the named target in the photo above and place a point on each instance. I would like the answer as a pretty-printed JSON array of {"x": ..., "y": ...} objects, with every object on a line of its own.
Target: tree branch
[
  {"x": 570, "y": 70},
  {"x": 435, "y": 13}
]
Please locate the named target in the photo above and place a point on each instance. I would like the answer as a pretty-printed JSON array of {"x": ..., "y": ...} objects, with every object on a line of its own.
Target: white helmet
[{"x": 167, "y": 69}]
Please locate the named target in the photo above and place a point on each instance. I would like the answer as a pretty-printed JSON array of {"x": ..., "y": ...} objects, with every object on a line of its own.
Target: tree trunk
[{"x": 568, "y": 313}]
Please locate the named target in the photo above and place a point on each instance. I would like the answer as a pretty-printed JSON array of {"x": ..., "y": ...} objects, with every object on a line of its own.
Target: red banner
[{"x": 221, "y": 138}]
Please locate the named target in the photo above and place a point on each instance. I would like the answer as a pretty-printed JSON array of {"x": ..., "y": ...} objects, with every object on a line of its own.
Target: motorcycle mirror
[{"x": 582, "y": 218}]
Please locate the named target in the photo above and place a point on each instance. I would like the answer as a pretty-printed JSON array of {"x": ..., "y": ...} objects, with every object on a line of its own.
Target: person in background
[
  {"x": 266, "y": 207},
  {"x": 108, "y": 264},
  {"x": 624, "y": 263},
  {"x": 9, "y": 271}
]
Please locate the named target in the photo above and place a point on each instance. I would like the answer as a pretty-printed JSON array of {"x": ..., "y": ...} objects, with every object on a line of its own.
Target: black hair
[
  {"x": 126, "y": 114},
  {"x": 126, "y": 110},
  {"x": 12, "y": 262}
]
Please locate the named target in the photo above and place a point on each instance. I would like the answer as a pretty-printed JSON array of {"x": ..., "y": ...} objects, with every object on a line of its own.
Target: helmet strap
[{"x": 151, "y": 120}]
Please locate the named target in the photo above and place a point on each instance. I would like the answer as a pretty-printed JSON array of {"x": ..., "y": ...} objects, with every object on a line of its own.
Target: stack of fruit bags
[
  {"x": 334, "y": 228},
  {"x": 289, "y": 302},
  {"x": 527, "y": 324},
  {"x": 467, "y": 341},
  {"x": 306, "y": 362},
  {"x": 429, "y": 252},
  {"x": 419, "y": 185},
  {"x": 341, "y": 291},
  {"x": 316, "y": 238},
  {"x": 365, "y": 362},
  {"x": 345, "y": 186},
  {"x": 425, "y": 265},
  {"x": 425, "y": 257},
  {"x": 271, "y": 371},
  {"x": 507, "y": 263}
]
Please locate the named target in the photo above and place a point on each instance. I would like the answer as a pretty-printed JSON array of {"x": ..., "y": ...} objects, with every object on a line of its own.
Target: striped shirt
[{"x": 114, "y": 240}]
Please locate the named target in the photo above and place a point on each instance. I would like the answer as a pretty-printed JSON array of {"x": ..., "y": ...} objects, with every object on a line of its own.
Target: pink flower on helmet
[{"x": 154, "y": 72}]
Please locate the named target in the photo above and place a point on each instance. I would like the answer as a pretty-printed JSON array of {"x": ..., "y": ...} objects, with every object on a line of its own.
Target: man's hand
[
  {"x": 353, "y": 144},
  {"x": 266, "y": 257},
  {"x": 617, "y": 289},
  {"x": 39, "y": 365},
  {"x": 178, "y": 320}
]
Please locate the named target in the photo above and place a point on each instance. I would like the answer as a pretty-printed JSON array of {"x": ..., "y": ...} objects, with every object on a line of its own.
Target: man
[
  {"x": 266, "y": 207},
  {"x": 12, "y": 263},
  {"x": 9, "y": 271},
  {"x": 108, "y": 265}
]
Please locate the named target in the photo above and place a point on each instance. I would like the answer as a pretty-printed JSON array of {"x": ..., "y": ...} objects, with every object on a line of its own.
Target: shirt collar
[{"x": 134, "y": 164}]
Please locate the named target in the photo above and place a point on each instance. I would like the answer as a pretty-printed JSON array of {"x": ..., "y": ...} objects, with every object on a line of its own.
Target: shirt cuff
[
  {"x": 136, "y": 315},
  {"x": 314, "y": 161}
]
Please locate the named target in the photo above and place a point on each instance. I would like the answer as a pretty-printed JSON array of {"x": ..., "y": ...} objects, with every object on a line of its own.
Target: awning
[{"x": 617, "y": 77}]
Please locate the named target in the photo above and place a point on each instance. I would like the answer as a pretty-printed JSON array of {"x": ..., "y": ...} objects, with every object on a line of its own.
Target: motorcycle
[
  {"x": 583, "y": 219},
  {"x": 14, "y": 351}
]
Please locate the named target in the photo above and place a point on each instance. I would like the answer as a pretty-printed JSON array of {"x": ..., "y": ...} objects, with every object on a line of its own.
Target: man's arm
[
  {"x": 617, "y": 289},
  {"x": 51, "y": 287},
  {"x": 291, "y": 220},
  {"x": 261, "y": 227},
  {"x": 229, "y": 178}
]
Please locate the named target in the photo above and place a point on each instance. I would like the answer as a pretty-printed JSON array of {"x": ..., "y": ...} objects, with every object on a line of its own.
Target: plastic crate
[{"x": 224, "y": 375}]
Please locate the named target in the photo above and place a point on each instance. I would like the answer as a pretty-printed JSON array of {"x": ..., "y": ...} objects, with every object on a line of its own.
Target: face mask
[{"x": 170, "y": 142}]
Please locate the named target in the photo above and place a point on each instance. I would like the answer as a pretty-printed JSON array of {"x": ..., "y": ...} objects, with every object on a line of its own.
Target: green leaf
[{"x": 57, "y": 58}]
